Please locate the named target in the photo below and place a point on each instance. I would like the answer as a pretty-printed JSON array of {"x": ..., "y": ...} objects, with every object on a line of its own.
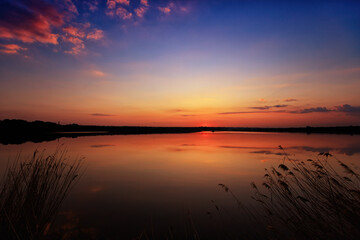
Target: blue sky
[{"x": 135, "y": 61}]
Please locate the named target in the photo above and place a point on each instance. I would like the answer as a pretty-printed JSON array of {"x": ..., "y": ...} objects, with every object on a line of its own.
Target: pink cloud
[
  {"x": 31, "y": 22},
  {"x": 111, "y": 4},
  {"x": 167, "y": 9},
  {"x": 71, "y": 6},
  {"x": 142, "y": 9},
  {"x": 124, "y": 2},
  {"x": 93, "y": 6},
  {"x": 96, "y": 34},
  {"x": 144, "y": 2},
  {"x": 78, "y": 45},
  {"x": 40, "y": 22},
  {"x": 97, "y": 73},
  {"x": 123, "y": 13},
  {"x": 11, "y": 48},
  {"x": 184, "y": 9},
  {"x": 74, "y": 31},
  {"x": 76, "y": 35}
]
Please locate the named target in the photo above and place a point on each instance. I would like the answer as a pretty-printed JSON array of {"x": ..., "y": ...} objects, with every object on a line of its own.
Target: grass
[
  {"x": 313, "y": 199},
  {"x": 32, "y": 191}
]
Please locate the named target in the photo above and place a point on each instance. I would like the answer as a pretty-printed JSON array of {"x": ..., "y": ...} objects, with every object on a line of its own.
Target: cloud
[
  {"x": 177, "y": 110},
  {"x": 74, "y": 31},
  {"x": 188, "y": 115},
  {"x": 124, "y": 2},
  {"x": 97, "y": 73},
  {"x": 37, "y": 21},
  {"x": 111, "y": 4},
  {"x": 116, "y": 7},
  {"x": 123, "y": 13},
  {"x": 92, "y": 5},
  {"x": 230, "y": 113},
  {"x": 102, "y": 145},
  {"x": 30, "y": 21},
  {"x": 96, "y": 34},
  {"x": 346, "y": 108},
  {"x": 167, "y": 9},
  {"x": 290, "y": 100},
  {"x": 71, "y": 6},
  {"x": 102, "y": 115},
  {"x": 269, "y": 107},
  {"x": 76, "y": 35},
  {"x": 144, "y": 3},
  {"x": 78, "y": 45},
  {"x": 269, "y": 153},
  {"x": 184, "y": 9},
  {"x": 142, "y": 9},
  {"x": 312, "y": 110},
  {"x": 11, "y": 48}
]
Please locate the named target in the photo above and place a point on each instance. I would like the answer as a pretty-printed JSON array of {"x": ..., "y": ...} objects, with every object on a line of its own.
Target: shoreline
[{"x": 20, "y": 131}]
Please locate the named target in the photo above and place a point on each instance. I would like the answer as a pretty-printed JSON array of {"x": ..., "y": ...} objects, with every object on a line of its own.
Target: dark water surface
[{"x": 137, "y": 183}]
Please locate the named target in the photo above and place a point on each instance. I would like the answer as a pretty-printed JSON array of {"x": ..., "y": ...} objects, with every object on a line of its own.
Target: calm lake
[{"x": 137, "y": 183}]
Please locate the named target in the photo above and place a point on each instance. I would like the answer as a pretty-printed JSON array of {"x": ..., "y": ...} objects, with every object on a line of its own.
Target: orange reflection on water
[{"x": 130, "y": 179}]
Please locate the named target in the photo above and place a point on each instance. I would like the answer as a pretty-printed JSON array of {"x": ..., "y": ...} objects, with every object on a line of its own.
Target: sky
[{"x": 181, "y": 63}]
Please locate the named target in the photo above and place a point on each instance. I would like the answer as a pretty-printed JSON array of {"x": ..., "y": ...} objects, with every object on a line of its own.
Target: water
[{"x": 138, "y": 183}]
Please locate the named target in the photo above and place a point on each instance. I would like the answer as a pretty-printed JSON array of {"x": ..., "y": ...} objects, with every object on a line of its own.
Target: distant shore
[{"x": 20, "y": 131}]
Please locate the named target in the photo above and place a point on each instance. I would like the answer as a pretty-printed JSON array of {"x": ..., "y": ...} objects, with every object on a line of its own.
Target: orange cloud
[
  {"x": 96, "y": 34},
  {"x": 11, "y": 48},
  {"x": 262, "y": 100},
  {"x": 290, "y": 100}
]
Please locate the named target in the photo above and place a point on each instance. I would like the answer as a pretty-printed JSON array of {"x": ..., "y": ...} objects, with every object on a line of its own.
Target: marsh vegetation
[
  {"x": 312, "y": 199},
  {"x": 32, "y": 191}
]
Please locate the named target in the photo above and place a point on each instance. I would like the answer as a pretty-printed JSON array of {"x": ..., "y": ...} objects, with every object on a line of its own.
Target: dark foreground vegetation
[
  {"x": 313, "y": 199},
  {"x": 31, "y": 193},
  {"x": 20, "y": 131}
]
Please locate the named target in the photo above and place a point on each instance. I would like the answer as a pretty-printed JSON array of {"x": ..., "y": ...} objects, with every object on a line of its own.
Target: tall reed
[
  {"x": 311, "y": 199},
  {"x": 32, "y": 191}
]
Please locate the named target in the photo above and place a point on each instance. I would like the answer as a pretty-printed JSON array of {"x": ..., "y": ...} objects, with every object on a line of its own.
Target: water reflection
[{"x": 136, "y": 181}]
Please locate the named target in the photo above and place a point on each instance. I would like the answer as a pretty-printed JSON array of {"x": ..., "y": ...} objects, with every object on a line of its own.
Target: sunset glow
[{"x": 181, "y": 63}]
